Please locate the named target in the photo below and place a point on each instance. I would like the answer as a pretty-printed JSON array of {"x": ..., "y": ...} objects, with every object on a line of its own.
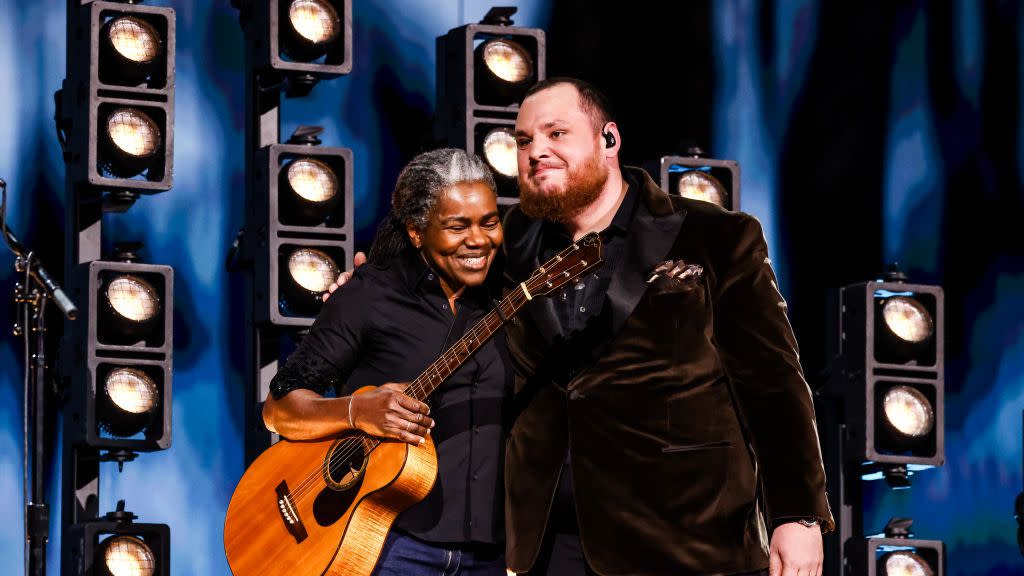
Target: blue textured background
[{"x": 936, "y": 171}]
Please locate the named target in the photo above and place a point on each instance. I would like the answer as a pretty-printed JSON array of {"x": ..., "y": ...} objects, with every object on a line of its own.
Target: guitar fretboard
[{"x": 465, "y": 347}]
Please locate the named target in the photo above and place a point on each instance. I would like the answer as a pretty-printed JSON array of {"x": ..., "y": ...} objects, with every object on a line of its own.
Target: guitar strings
[{"x": 352, "y": 445}]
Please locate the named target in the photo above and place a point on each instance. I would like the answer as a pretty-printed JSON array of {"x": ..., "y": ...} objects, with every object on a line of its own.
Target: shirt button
[
  {"x": 430, "y": 276},
  {"x": 583, "y": 308},
  {"x": 476, "y": 476},
  {"x": 444, "y": 306}
]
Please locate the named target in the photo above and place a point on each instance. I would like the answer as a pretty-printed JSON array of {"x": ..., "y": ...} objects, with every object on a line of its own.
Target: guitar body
[{"x": 320, "y": 507}]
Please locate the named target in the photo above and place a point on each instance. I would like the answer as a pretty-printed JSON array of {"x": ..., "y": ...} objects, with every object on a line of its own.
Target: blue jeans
[{"x": 404, "y": 555}]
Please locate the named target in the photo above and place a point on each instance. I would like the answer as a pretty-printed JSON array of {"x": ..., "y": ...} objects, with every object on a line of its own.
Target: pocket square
[{"x": 675, "y": 276}]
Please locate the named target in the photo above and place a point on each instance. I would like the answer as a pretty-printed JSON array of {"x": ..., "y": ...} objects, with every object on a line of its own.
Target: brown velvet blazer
[{"x": 688, "y": 426}]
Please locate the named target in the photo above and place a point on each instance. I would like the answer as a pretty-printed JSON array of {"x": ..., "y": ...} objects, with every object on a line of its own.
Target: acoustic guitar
[{"x": 326, "y": 506}]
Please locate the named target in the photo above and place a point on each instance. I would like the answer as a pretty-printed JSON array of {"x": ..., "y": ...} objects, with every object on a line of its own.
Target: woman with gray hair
[{"x": 424, "y": 287}]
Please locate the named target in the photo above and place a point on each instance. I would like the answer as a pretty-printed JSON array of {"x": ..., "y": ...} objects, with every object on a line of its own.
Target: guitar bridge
[{"x": 289, "y": 514}]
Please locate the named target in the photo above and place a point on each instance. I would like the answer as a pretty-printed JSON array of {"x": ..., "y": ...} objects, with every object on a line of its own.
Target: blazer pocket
[{"x": 676, "y": 448}]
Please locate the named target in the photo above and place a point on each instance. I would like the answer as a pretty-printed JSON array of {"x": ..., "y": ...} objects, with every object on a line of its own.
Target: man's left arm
[{"x": 759, "y": 350}]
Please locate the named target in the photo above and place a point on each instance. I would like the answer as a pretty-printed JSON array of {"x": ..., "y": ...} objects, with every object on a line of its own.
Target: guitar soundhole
[
  {"x": 345, "y": 464},
  {"x": 343, "y": 473}
]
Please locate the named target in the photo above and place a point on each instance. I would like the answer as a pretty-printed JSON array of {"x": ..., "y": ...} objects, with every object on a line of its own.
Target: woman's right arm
[
  {"x": 385, "y": 412},
  {"x": 296, "y": 407}
]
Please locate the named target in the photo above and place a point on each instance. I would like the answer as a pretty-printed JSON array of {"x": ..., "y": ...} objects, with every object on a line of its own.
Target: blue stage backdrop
[{"x": 944, "y": 93}]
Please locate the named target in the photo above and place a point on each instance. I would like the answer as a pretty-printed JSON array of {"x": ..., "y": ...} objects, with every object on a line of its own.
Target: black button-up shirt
[
  {"x": 584, "y": 323},
  {"x": 579, "y": 307},
  {"x": 387, "y": 324}
]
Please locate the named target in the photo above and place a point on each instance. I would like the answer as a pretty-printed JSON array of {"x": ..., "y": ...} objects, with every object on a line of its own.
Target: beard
[{"x": 582, "y": 187}]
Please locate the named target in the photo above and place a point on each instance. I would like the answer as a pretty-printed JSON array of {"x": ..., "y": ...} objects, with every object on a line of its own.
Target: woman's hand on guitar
[
  {"x": 359, "y": 259},
  {"x": 388, "y": 413}
]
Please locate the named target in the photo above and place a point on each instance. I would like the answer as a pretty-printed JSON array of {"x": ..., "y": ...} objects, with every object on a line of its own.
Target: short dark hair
[{"x": 593, "y": 101}]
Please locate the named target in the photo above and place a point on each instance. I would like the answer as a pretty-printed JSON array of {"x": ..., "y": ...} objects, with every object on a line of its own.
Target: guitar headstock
[{"x": 569, "y": 264}]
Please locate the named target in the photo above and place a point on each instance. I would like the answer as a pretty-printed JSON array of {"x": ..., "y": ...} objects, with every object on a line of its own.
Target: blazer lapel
[{"x": 651, "y": 236}]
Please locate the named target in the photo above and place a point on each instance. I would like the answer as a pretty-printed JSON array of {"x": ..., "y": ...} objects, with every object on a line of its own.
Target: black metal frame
[
  {"x": 846, "y": 406},
  {"x": 83, "y": 96},
  {"x": 89, "y": 193},
  {"x": 266, "y": 76},
  {"x": 859, "y": 369},
  {"x": 864, "y": 554},
  {"x": 262, "y": 19},
  {"x": 84, "y": 541},
  {"x": 85, "y": 383},
  {"x": 458, "y": 112},
  {"x": 718, "y": 168}
]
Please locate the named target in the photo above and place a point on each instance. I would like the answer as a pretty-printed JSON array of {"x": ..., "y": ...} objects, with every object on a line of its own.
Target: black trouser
[{"x": 561, "y": 553}]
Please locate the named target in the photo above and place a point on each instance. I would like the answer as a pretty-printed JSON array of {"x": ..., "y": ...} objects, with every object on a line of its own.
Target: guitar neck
[{"x": 457, "y": 354}]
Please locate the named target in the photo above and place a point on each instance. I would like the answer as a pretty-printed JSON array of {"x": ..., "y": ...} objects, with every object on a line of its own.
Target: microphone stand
[{"x": 30, "y": 296}]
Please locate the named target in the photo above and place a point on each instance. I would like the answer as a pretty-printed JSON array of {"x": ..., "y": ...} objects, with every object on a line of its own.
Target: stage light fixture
[
  {"x": 312, "y": 270},
  {"x": 121, "y": 367},
  {"x": 483, "y": 71},
  {"x": 312, "y": 26},
  {"x": 500, "y": 151},
  {"x": 130, "y": 49},
  {"x": 907, "y": 319},
  {"x": 310, "y": 191},
  {"x": 896, "y": 552},
  {"x": 305, "y": 273},
  {"x": 699, "y": 178},
  {"x": 888, "y": 371},
  {"x": 117, "y": 104},
  {"x": 116, "y": 545},
  {"x": 903, "y": 563},
  {"x": 503, "y": 71},
  {"x": 128, "y": 400},
  {"x": 304, "y": 204},
  {"x": 126, "y": 556},
  {"x": 908, "y": 412},
  {"x": 312, "y": 179},
  {"x": 299, "y": 41},
  {"x": 132, "y": 298},
  {"x": 129, "y": 309},
  {"x": 129, "y": 143},
  {"x": 905, "y": 328},
  {"x": 700, "y": 185}
]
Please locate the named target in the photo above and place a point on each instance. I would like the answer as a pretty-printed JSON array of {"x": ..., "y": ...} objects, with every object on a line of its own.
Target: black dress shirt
[
  {"x": 387, "y": 324},
  {"x": 584, "y": 323}
]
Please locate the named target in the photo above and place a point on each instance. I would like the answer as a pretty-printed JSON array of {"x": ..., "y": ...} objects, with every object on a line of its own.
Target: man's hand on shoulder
[
  {"x": 345, "y": 276},
  {"x": 795, "y": 550}
]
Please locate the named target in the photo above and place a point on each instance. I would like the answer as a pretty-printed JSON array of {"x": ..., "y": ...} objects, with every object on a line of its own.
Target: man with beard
[{"x": 665, "y": 425}]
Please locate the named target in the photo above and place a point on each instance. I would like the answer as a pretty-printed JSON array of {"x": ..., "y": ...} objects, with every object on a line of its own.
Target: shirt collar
[
  {"x": 620, "y": 222},
  {"x": 624, "y": 215},
  {"x": 419, "y": 276}
]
